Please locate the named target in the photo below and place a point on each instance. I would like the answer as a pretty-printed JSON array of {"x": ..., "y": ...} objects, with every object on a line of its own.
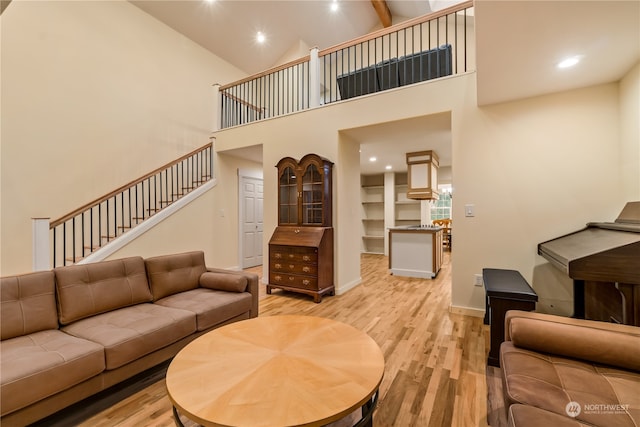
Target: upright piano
[{"x": 603, "y": 260}]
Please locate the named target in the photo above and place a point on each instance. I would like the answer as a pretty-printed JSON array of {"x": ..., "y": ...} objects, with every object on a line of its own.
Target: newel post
[
  {"x": 217, "y": 108},
  {"x": 41, "y": 252},
  {"x": 314, "y": 78}
]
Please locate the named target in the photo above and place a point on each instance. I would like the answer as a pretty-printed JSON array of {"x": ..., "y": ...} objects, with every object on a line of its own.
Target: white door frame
[{"x": 242, "y": 174}]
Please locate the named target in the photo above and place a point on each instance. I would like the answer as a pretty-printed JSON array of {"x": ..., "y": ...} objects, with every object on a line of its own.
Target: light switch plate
[
  {"x": 470, "y": 210},
  {"x": 477, "y": 280}
]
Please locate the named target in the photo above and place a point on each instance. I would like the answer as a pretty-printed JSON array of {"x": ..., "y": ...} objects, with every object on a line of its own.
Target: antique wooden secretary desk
[{"x": 301, "y": 248}]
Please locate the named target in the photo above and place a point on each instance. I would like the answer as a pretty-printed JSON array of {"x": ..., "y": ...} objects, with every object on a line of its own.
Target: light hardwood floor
[{"x": 435, "y": 361}]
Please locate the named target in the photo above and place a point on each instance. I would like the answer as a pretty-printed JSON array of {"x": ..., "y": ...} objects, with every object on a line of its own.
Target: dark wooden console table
[{"x": 506, "y": 290}]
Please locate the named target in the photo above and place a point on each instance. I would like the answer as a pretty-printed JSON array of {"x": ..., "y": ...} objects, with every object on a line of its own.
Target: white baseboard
[
  {"x": 413, "y": 273},
  {"x": 348, "y": 286},
  {"x": 466, "y": 311}
]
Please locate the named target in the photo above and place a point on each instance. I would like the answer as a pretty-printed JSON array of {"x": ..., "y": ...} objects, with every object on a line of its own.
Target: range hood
[{"x": 422, "y": 175}]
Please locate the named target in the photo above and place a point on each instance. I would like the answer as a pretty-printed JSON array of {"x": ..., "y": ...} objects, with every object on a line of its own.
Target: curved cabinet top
[{"x": 304, "y": 191}]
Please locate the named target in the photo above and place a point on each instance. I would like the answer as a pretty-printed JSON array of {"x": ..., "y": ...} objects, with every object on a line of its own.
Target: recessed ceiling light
[
  {"x": 569, "y": 62},
  {"x": 260, "y": 37},
  {"x": 334, "y": 6},
  {"x": 372, "y": 159},
  {"x": 388, "y": 167}
]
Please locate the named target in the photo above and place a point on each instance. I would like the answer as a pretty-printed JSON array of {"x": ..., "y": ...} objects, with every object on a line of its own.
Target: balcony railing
[
  {"x": 87, "y": 229},
  {"x": 279, "y": 91},
  {"x": 424, "y": 48}
]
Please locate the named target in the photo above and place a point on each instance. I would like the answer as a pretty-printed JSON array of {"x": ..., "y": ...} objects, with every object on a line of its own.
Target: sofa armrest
[
  {"x": 590, "y": 340},
  {"x": 252, "y": 286}
]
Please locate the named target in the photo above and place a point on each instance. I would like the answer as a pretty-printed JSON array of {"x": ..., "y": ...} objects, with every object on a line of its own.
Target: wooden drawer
[
  {"x": 295, "y": 281},
  {"x": 294, "y": 254},
  {"x": 301, "y": 260},
  {"x": 293, "y": 267}
]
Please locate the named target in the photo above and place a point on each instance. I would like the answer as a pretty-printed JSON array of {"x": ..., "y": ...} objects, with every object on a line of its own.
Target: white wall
[
  {"x": 630, "y": 133},
  {"x": 209, "y": 224},
  {"x": 535, "y": 169},
  {"x": 346, "y": 172},
  {"x": 94, "y": 95},
  {"x": 297, "y": 50}
]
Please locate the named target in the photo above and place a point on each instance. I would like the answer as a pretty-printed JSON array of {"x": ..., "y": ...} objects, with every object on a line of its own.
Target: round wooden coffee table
[{"x": 276, "y": 371}]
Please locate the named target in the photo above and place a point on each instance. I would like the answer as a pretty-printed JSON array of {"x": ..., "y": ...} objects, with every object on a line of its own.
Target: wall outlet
[{"x": 477, "y": 280}]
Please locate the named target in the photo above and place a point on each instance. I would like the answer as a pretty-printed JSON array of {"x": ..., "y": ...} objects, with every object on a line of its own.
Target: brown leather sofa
[
  {"x": 559, "y": 371},
  {"x": 77, "y": 330}
]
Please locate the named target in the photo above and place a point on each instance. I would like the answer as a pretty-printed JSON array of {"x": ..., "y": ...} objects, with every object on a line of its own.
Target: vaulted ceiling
[
  {"x": 228, "y": 27},
  {"x": 518, "y": 45},
  {"x": 518, "y": 42}
]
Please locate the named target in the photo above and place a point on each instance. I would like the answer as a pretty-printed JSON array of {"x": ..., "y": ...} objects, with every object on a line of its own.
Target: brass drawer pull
[
  {"x": 292, "y": 266},
  {"x": 291, "y": 255},
  {"x": 306, "y": 258},
  {"x": 306, "y": 282},
  {"x": 306, "y": 269},
  {"x": 278, "y": 266},
  {"x": 277, "y": 278},
  {"x": 277, "y": 255},
  {"x": 291, "y": 278}
]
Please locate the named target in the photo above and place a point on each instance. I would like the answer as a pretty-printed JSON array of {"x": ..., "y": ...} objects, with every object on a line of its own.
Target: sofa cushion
[
  {"x": 211, "y": 307},
  {"x": 41, "y": 364},
  {"x": 89, "y": 289},
  {"x": 551, "y": 383},
  {"x": 622, "y": 349},
  {"x": 132, "y": 332},
  {"x": 28, "y": 304},
  {"x": 529, "y": 416},
  {"x": 170, "y": 274},
  {"x": 223, "y": 281}
]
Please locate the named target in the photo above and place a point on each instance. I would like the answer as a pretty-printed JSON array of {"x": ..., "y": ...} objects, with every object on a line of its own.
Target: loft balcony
[{"x": 433, "y": 46}]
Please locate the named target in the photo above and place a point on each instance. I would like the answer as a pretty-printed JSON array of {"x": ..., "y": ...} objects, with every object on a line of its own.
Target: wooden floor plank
[{"x": 435, "y": 361}]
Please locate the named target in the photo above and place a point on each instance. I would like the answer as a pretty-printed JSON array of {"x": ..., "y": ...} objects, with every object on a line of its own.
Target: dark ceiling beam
[
  {"x": 384, "y": 14},
  {"x": 3, "y": 5}
]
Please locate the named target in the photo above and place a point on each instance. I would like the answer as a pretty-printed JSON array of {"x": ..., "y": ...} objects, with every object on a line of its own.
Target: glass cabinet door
[
  {"x": 304, "y": 191},
  {"x": 312, "y": 196},
  {"x": 288, "y": 197}
]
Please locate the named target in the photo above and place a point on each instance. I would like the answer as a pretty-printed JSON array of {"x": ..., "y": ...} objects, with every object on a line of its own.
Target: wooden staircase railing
[{"x": 90, "y": 227}]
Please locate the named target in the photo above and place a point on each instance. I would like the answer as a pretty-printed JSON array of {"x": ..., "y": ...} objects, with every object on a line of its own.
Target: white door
[{"x": 252, "y": 222}]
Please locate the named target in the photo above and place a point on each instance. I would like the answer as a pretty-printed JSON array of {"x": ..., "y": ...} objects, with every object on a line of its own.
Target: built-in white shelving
[
  {"x": 373, "y": 224},
  {"x": 407, "y": 211},
  {"x": 385, "y": 205}
]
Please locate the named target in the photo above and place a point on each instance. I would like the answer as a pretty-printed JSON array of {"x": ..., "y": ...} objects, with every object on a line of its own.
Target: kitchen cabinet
[{"x": 301, "y": 247}]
